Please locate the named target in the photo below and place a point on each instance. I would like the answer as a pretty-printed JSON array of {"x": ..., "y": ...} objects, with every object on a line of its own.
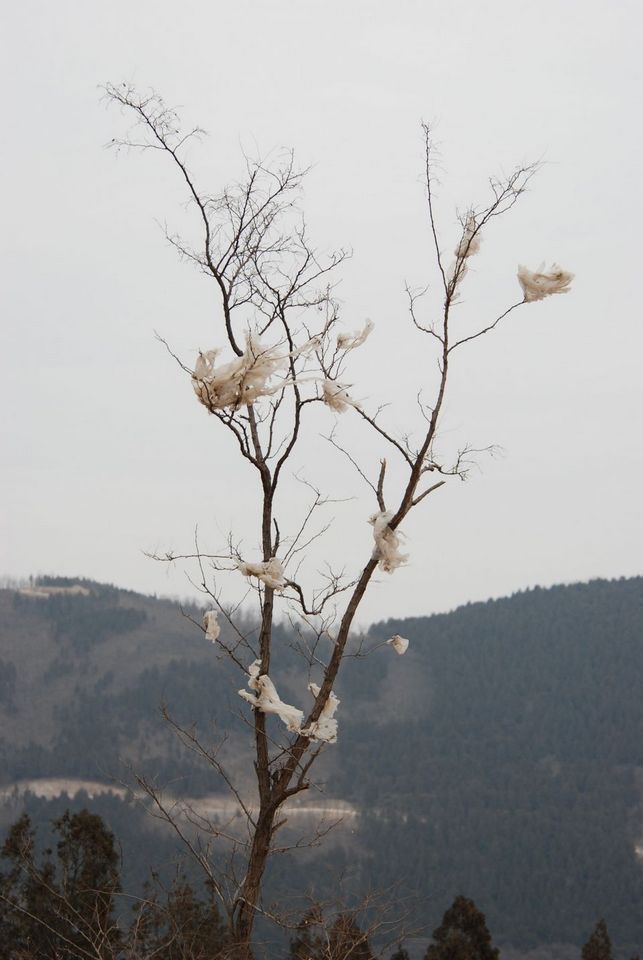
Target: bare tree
[{"x": 286, "y": 353}]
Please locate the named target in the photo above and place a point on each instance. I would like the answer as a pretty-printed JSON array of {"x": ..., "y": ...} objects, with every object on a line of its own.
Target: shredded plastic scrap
[
  {"x": 266, "y": 699},
  {"x": 325, "y": 728},
  {"x": 349, "y": 341},
  {"x": 399, "y": 644},
  {"x": 270, "y": 572},
  {"x": 336, "y": 396},
  {"x": 245, "y": 379},
  {"x": 212, "y": 627},
  {"x": 470, "y": 240},
  {"x": 387, "y": 542},
  {"x": 536, "y": 285}
]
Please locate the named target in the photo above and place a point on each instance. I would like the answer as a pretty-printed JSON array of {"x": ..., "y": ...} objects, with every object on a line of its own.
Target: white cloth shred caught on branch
[
  {"x": 270, "y": 572},
  {"x": 266, "y": 699},
  {"x": 325, "y": 728},
  {"x": 349, "y": 341},
  {"x": 336, "y": 396},
  {"x": 246, "y": 378},
  {"x": 387, "y": 542},
  {"x": 399, "y": 644},
  {"x": 536, "y": 285},
  {"x": 212, "y": 628}
]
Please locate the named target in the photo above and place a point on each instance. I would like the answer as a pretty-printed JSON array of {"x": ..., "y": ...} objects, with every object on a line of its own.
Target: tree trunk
[{"x": 246, "y": 906}]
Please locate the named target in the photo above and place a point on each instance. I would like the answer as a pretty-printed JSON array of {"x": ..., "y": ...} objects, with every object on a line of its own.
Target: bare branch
[{"x": 492, "y": 326}]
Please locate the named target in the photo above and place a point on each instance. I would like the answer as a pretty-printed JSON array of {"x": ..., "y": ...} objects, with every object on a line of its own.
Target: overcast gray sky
[{"x": 105, "y": 452}]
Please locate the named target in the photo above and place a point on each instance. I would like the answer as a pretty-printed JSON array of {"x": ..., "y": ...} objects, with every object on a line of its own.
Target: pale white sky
[{"x": 105, "y": 452}]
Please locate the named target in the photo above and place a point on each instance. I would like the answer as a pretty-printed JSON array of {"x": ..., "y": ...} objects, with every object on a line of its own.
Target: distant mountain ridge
[{"x": 500, "y": 757}]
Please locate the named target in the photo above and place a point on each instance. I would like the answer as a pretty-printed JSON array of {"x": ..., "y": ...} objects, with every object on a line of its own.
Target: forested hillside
[
  {"x": 501, "y": 757},
  {"x": 515, "y": 769},
  {"x": 83, "y": 679}
]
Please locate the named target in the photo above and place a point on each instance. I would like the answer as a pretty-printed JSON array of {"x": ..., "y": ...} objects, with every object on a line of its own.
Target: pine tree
[
  {"x": 347, "y": 941},
  {"x": 400, "y": 954},
  {"x": 88, "y": 873},
  {"x": 177, "y": 925},
  {"x": 599, "y": 945},
  {"x": 59, "y": 908},
  {"x": 309, "y": 941},
  {"x": 462, "y": 935},
  {"x": 30, "y": 920}
]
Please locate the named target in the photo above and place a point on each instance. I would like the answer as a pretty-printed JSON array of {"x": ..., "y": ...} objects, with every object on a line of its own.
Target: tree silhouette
[
  {"x": 347, "y": 940},
  {"x": 309, "y": 942},
  {"x": 62, "y": 907},
  {"x": 462, "y": 935},
  {"x": 400, "y": 954},
  {"x": 176, "y": 925},
  {"x": 599, "y": 945}
]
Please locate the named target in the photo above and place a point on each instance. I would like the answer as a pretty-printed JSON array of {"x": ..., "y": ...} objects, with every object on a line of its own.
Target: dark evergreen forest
[{"x": 501, "y": 758}]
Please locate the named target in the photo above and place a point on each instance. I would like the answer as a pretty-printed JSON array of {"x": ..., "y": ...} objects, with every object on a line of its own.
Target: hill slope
[
  {"x": 517, "y": 760},
  {"x": 501, "y": 757}
]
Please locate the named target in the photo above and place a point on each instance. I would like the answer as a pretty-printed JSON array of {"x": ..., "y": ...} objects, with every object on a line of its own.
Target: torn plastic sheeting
[
  {"x": 470, "y": 240},
  {"x": 387, "y": 542},
  {"x": 399, "y": 644},
  {"x": 325, "y": 728},
  {"x": 211, "y": 624},
  {"x": 536, "y": 285},
  {"x": 336, "y": 396},
  {"x": 349, "y": 341},
  {"x": 246, "y": 378},
  {"x": 266, "y": 699},
  {"x": 270, "y": 572}
]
